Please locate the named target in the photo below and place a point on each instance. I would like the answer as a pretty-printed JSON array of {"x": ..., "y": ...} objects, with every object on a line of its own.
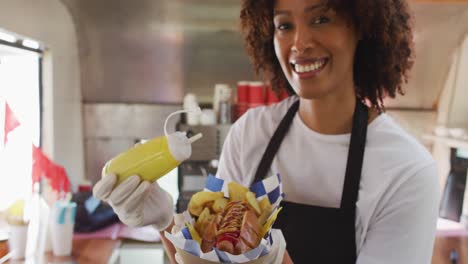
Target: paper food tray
[{"x": 190, "y": 250}]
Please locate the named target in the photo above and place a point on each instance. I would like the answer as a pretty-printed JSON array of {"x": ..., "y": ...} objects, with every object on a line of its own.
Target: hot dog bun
[
  {"x": 234, "y": 224},
  {"x": 236, "y": 230}
]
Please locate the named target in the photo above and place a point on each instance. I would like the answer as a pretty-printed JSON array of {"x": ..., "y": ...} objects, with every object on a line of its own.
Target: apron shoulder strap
[
  {"x": 355, "y": 157},
  {"x": 355, "y": 152},
  {"x": 275, "y": 142}
]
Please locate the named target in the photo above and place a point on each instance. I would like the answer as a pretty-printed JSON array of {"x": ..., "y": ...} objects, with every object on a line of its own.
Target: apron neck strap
[
  {"x": 355, "y": 152},
  {"x": 357, "y": 146},
  {"x": 275, "y": 143}
]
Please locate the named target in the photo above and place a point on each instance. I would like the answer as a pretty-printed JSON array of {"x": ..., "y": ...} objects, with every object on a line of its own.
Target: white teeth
[
  {"x": 310, "y": 67},
  {"x": 299, "y": 68}
]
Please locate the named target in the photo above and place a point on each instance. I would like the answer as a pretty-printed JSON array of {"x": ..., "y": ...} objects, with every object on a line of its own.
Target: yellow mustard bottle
[{"x": 154, "y": 158}]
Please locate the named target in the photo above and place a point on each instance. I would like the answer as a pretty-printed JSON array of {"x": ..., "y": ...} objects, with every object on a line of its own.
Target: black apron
[{"x": 317, "y": 234}]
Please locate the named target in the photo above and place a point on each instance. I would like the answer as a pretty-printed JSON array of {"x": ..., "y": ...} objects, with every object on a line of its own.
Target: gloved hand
[{"x": 136, "y": 202}]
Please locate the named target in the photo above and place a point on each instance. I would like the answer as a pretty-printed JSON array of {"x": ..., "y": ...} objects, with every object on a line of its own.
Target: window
[{"x": 20, "y": 88}]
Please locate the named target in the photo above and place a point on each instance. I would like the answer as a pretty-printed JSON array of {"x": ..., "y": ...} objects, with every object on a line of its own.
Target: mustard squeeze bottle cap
[
  {"x": 154, "y": 158},
  {"x": 179, "y": 145},
  {"x": 196, "y": 111}
]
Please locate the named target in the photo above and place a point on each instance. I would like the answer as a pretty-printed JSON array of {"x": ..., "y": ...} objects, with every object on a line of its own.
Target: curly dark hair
[{"x": 384, "y": 54}]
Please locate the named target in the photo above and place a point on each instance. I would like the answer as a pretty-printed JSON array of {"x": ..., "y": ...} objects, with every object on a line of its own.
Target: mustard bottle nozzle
[
  {"x": 196, "y": 110},
  {"x": 195, "y": 138}
]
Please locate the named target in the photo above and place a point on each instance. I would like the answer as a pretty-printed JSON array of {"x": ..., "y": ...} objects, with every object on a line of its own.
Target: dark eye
[
  {"x": 321, "y": 20},
  {"x": 283, "y": 26}
]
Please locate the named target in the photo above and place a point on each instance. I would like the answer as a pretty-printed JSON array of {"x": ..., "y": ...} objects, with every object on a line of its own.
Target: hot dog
[
  {"x": 236, "y": 230},
  {"x": 234, "y": 224},
  {"x": 239, "y": 230}
]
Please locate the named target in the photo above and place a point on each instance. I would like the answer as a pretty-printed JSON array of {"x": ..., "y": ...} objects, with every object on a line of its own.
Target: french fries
[
  {"x": 204, "y": 205},
  {"x": 215, "y": 216},
  {"x": 203, "y": 218},
  {"x": 194, "y": 234},
  {"x": 252, "y": 200},
  {"x": 266, "y": 208},
  {"x": 200, "y": 199},
  {"x": 220, "y": 204},
  {"x": 270, "y": 221},
  {"x": 265, "y": 204},
  {"x": 236, "y": 191}
]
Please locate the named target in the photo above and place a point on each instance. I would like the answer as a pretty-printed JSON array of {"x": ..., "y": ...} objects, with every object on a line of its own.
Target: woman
[{"x": 358, "y": 188}]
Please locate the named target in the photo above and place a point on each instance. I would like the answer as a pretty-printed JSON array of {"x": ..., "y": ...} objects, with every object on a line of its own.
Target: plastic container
[
  {"x": 208, "y": 117},
  {"x": 218, "y": 93},
  {"x": 17, "y": 241},
  {"x": 191, "y": 102},
  {"x": 63, "y": 221},
  {"x": 225, "y": 112},
  {"x": 154, "y": 158}
]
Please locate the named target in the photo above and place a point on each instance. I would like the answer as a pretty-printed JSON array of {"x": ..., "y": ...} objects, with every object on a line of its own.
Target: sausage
[{"x": 239, "y": 229}]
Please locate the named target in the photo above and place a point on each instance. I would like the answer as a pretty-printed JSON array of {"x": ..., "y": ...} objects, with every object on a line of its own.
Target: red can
[
  {"x": 271, "y": 96},
  {"x": 256, "y": 94},
  {"x": 84, "y": 188},
  {"x": 243, "y": 92},
  {"x": 242, "y": 98}
]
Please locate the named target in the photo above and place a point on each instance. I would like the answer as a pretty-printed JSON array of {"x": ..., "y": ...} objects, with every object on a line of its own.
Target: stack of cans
[
  {"x": 242, "y": 98},
  {"x": 254, "y": 94}
]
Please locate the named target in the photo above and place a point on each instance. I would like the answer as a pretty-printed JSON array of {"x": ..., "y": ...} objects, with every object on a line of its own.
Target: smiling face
[{"x": 315, "y": 47}]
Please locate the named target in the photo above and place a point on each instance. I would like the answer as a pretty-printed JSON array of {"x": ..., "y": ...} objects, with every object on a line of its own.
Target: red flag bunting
[
  {"x": 40, "y": 163},
  {"x": 11, "y": 122},
  {"x": 43, "y": 166}
]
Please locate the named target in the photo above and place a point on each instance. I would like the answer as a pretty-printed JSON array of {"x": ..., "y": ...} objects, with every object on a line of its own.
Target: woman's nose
[{"x": 303, "y": 41}]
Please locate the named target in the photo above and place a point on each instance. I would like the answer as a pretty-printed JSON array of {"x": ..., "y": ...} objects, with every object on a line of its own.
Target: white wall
[
  {"x": 438, "y": 31},
  {"x": 458, "y": 116},
  {"x": 452, "y": 109},
  {"x": 49, "y": 22}
]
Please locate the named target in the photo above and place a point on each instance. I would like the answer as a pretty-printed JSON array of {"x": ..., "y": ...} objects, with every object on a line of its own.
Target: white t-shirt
[{"x": 398, "y": 199}]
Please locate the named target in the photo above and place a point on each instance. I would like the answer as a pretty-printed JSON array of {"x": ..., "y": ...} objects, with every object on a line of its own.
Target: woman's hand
[
  {"x": 136, "y": 202},
  {"x": 287, "y": 259}
]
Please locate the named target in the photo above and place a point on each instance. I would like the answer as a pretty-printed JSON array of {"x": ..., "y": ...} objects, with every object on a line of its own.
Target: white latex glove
[
  {"x": 136, "y": 202},
  {"x": 178, "y": 258}
]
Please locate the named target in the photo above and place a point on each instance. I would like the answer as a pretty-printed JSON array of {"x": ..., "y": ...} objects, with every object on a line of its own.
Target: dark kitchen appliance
[
  {"x": 452, "y": 199},
  {"x": 193, "y": 172}
]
